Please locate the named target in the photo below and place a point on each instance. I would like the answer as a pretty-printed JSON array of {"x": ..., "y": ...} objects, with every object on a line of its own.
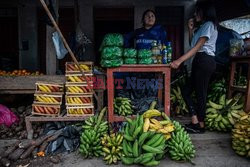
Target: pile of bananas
[
  {"x": 180, "y": 145},
  {"x": 123, "y": 106},
  {"x": 220, "y": 116},
  {"x": 164, "y": 127},
  {"x": 144, "y": 148},
  {"x": 217, "y": 89},
  {"x": 112, "y": 149},
  {"x": 177, "y": 101},
  {"x": 90, "y": 143},
  {"x": 91, "y": 136},
  {"x": 241, "y": 136},
  {"x": 93, "y": 121}
]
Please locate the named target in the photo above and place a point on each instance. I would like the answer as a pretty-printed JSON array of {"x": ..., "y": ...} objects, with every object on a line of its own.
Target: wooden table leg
[
  {"x": 110, "y": 90},
  {"x": 231, "y": 82},
  {"x": 29, "y": 128},
  {"x": 167, "y": 76},
  {"x": 159, "y": 77},
  {"x": 247, "y": 98}
]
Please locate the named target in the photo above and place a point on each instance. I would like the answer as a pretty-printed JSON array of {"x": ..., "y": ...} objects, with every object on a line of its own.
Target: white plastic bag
[{"x": 59, "y": 46}]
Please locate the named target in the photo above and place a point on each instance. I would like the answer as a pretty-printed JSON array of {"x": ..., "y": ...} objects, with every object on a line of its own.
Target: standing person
[
  {"x": 143, "y": 38},
  {"x": 203, "y": 48},
  {"x": 145, "y": 35}
]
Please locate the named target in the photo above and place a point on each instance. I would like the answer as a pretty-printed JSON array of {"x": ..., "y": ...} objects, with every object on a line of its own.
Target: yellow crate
[
  {"x": 81, "y": 99},
  {"x": 49, "y": 88},
  {"x": 80, "y": 110},
  {"x": 46, "y": 110},
  {"x": 47, "y": 99},
  {"x": 86, "y": 66}
]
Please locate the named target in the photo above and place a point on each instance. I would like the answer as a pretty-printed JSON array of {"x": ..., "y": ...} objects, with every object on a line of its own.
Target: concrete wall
[{"x": 28, "y": 23}]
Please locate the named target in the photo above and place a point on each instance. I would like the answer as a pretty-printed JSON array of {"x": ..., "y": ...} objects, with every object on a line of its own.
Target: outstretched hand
[{"x": 175, "y": 64}]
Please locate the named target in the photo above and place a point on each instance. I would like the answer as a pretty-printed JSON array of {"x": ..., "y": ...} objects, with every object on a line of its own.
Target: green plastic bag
[
  {"x": 129, "y": 53},
  {"x": 111, "y": 63},
  {"x": 111, "y": 52},
  {"x": 146, "y": 61},
  {"x": 130, "y": 61},
  {"x": 144, "y": 53},
  {"x": 113, "y": 39}
]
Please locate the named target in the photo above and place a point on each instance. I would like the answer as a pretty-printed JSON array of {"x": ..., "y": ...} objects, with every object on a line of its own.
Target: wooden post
[
  {"x": 66, "y": 44},
  {"x": 51, "y": 61}
]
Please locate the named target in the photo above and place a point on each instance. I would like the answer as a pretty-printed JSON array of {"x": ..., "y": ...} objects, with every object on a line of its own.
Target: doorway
[{"x": 111, "y": 20}]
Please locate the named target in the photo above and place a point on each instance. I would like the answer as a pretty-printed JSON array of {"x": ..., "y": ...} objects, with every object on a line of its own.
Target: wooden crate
[
  {"x": 46, "y": 109},
  {"x": 78, "y": 111},
  {"x": 47, "y": 99},
  {"x": 83, "y": 99},
  {"x": 72, "y": 68},
  {"x": 49, "y": 88},
  {"x": 77, "y": 88},
  {"x": 78, "y": 78}
]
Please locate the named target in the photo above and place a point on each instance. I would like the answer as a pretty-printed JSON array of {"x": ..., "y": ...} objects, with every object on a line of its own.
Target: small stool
[{"x": 234, "y": 61}]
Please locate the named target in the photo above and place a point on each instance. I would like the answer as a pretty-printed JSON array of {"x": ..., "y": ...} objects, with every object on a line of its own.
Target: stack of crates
[
  {"x": 48, "y": 99},
  {"x": 79, "y": 96}
]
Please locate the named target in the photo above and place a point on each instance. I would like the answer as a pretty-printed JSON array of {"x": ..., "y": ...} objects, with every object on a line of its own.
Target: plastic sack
[
  {"x": 111, "y": 63},
  {"x": 113, "y": 39},
  {"x": 111, "y": 52},
  {"x": 144, "y": 53},
  {"x": 129, "y": 53},
  {"x": 59, "y": 46},
  {"x": 236, "y": 47},
  {"x": 7, "y": 117},
  {"x": 130, "y": 61},
  {"x": 145, "y": 61}
]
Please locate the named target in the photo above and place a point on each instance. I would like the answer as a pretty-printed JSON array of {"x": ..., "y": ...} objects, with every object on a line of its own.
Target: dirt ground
[{"x": 212, "y": 149}]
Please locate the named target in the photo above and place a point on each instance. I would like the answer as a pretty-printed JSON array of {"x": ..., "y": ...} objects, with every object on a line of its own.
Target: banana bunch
[
  {"x": 241, "y": 136},
  {"x": 90, "y": 143},
  {"x": 46, "y": 99},
  {"x": 112, "y": 149},
  {"x": 144, "y": 148},
  {"x": 91, "y": 136},
  {"x": 164, "y": 127},
  {"x": 217, "y": 89},
  {"x": 177, "y": 101},
  {"x": 97, "y": 122},
  {"x": 123, "y": 106},
  {"x": 220, "y": 116},
  {"x": 180, "y": 145}
]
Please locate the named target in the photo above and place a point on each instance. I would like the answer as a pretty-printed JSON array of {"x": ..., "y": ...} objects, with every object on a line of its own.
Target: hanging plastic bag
[
  {"x": 59, "y": 46},
  {"x": 7, "y": 117}
]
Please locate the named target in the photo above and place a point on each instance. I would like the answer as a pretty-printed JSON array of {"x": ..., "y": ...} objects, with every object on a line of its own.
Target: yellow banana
[
  {"x": 151, "y": 113},
  {"x": 146, "y": 125}
]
